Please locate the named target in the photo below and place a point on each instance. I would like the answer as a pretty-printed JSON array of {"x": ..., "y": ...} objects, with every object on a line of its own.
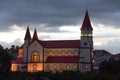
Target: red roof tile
[
  {"x": 86, "y": 23},
  {"x": 61, "y": 44},
  {"x": 62, "y": 59},
  {"x": 18, "y": 60}
]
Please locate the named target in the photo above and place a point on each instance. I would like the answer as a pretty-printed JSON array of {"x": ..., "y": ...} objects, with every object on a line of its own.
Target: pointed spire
[
  {"x": 86, "y": 23},
  {"x": 35, "y": 37},
  {"x": 27, "y": 35}
]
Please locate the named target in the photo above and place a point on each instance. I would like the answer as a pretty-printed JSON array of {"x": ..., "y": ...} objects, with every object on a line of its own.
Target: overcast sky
[{"x": 60, "y": 19}]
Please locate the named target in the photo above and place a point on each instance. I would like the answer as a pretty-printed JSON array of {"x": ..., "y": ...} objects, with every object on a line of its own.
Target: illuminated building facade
[{"x": 56, "y": 55}]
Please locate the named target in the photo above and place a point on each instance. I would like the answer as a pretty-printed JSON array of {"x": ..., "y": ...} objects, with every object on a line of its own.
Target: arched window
[
  {"x": 54, "y": 66},
  {"x": 48, "y": 67},
  {"x": 61, "y": 67},
  {"x": 67, "y": 67},
  {"x": 35, "y": 57},
  {"x": 74, "y": 67}
]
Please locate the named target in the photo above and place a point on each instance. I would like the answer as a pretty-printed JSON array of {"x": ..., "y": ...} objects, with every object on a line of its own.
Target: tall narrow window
[
  {"x": 35, "y": 57},
  {"x": 54, "y": 66},
  {"x": 67, "y": 67},
  {"x": 74, "y": 67},
  {"x": 61, "y": 67}
]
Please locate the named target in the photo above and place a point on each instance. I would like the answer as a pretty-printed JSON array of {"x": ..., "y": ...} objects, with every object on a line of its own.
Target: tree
[
  {"x": 110, "y": 67},
  {"x": 103, "y": 68},
  {"x": 1, "y": 54},
  {"x": 5, "y": 59}
]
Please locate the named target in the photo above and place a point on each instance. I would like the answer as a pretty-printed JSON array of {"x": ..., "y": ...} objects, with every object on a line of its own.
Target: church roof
[
  {"x": 61, "y": 44},
  {"x": 27, "y": 35},
  {"x": 35, "y": 36},
  {"x": 86, "y": 23},
  {"x": 18, "y": 60},
  {"x": 62, "y": 59}
]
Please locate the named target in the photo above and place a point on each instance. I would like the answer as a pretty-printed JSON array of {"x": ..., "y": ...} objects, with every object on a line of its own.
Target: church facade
[{"x": 56, "y": 55}]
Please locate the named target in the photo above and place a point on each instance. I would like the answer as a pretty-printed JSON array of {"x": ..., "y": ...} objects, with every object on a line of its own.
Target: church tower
[
  {"x": 27, "y": 41},
  {"x": 86, "y": 44}
]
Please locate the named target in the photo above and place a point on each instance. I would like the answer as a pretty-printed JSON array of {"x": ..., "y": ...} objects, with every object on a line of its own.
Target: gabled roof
[
  {"x": 103, "y": 52},
  {"x": 27, "y": 35},
  {"x": 61, "y": 44},
  {"x": 18, "y": 60},
  {"x": 35, "y": 36},
  {"x": 62, "y": 59},
  {"x": 86, "y": 23},
  {"x": 58, "y": 44}
]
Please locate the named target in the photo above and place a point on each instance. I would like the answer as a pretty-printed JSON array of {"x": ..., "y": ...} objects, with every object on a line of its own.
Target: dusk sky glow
[{"x": 60, "y": 19}]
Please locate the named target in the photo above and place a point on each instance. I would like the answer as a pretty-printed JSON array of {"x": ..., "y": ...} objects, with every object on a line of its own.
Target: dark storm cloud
[
  {"x": 106, "y": 12},
  {"x": 56, "y": 13}
]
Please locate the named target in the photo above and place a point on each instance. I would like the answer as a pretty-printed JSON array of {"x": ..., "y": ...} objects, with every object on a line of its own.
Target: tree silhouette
[{"x": 5, "y": 59}]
